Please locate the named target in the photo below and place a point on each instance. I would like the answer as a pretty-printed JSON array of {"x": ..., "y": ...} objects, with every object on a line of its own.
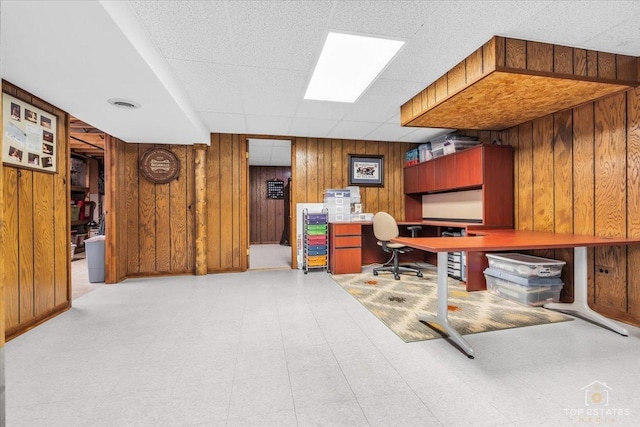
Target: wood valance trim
[{"x": 509, "y": 81}]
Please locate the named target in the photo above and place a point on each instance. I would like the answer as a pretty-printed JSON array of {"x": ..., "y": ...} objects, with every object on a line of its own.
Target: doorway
[{"x": 269, "y": 207}]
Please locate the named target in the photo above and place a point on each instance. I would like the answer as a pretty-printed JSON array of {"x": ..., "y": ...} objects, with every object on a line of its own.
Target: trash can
[{"x": 95, "y": 258}]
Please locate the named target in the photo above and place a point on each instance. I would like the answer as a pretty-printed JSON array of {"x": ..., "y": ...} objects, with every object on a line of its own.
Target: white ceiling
[{"x": 242, "y": 66}]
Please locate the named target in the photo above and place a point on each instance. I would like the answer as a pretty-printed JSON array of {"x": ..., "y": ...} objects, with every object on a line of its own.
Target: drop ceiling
[{"x": 198, "y": 67}]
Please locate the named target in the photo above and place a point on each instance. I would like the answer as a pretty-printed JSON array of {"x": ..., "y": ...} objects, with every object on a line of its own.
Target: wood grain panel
[
  {"x": 626, "y": 67},
  {"x": 513, "y": 140},
  {"x": 147, "y": 220},
  {"x": 130, "y": 164},
  {"x": 456, "y": 78},
  {"x": 592, "y": 63},
  {"x": 610, "y": 198},
  {"x": 26, "y": 227},
  {"x": 431, "y": 95},
  {"x": 540, "y": 56},
  {"x": 189, "y": 175},
  {"x": 441, "y": 88},
  {"x": 543, "y": 174},
  {"x": 563, "y": 192},
  {"x": 214, "y": 188},
  {"x": 633, "y": 199},
  {"x": 163, "y": 227},
  {"x": 563, "y": 172},
  {"x": 238, "y": 162},
  {"x": 474, "y": 66},
  {"x": 580, "y": 62},
  {"x": 563, "y": 59},
  {"x": 61, "y": 215},
  {"x": 43, "y": 243},
  {"x": 525, "y": 176},
  {"x": 584, "y": 182},
  {"x": 226, "y": 200},
  {"x": 493, "y": 53},
  {"x": 179, "y": 212},
  {"x": 10, "y": 252},
  {"x": 606, "y": 65},
  {"x": 516, "y": 53}
]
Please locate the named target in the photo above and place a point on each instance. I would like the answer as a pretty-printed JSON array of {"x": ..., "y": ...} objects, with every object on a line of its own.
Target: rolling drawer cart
[{"x": 315, "y": 240}]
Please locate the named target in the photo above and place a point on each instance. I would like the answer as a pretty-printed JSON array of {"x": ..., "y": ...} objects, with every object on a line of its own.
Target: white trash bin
[{"x": 95, "y": 258}]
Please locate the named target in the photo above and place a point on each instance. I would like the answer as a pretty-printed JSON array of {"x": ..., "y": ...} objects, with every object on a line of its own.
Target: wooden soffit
[{"x": 509, "y": 81}]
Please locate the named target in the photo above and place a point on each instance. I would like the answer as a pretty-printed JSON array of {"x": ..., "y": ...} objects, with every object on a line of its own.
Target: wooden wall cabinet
[
  {"x": 345, "y": 248},
  {"x": 485, "y": 167}
]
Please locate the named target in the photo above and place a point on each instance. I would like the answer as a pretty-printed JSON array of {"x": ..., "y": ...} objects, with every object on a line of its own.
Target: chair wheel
[
  {"x": 419, "y": 274},
  {"x": 375, "y": 273},
  {"x": 397, "y": 276}
]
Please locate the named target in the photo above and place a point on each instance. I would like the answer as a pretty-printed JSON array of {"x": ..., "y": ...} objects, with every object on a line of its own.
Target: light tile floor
[
  {"x": 281, "y": 348},
  {"x": 269, "y": 256}
]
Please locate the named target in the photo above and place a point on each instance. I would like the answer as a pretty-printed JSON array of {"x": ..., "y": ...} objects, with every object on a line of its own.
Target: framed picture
[
  {"x": 366, "y": 170},
  {"x": 29, "y": 139}
]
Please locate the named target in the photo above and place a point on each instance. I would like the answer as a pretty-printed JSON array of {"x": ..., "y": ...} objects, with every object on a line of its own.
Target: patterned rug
[{"x": 397, "y": 302}]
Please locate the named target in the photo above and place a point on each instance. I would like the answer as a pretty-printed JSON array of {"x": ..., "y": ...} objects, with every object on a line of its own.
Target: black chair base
[{"x": 396, "y": 268}]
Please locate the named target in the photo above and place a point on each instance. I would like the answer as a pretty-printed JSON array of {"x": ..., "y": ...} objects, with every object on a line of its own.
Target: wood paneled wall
[
  {"x": 151, "y": 224},
  {"x": 266, "y": 215},
  {"x": 227, "y": 213},
  {"x": 578, "y": 171},
  {"x": 158, "y": 237},
  {"x": 320, "y": 163},
  {"x": 35, "y": 234}
]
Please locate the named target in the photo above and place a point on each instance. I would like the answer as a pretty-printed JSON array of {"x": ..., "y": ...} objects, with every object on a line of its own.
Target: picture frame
[
  {"x": 366, "y": 170},
  {"x": 29, "y": 137}
]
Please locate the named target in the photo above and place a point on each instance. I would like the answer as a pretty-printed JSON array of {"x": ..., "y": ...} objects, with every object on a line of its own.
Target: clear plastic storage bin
[
  {"x": 527, "y": 295},
  {"x": 526, "y": 265}
]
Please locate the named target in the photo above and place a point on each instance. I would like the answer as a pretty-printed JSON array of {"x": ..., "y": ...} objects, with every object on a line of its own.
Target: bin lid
[{"x": 95, "y": 238}]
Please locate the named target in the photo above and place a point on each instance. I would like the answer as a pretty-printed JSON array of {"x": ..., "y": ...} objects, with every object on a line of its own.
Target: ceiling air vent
[{"x": 123, "y": 103}]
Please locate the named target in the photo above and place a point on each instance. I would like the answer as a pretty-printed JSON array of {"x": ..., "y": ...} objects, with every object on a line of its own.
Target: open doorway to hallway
[{"x": 269, "y": 207}]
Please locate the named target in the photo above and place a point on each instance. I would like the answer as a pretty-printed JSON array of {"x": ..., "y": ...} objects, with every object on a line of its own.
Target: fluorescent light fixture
[{"x": 347, "y": 66}]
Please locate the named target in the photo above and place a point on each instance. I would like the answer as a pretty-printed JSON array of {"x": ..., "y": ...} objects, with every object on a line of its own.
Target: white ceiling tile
[
  {"x": 225, "y": 122},
  {"x": 388, "y": 132},
  {"x": 397, "y": 19},
  {"x": 189, "y": 30},
  {"x": 352, "y": 130},
  {"x": 199, "y": 79},
  {"x": 317, "y": 128},
  {"x": 271, "y": 92},
  {"x": 278, "y": 34},
  {"x": 323, "y": 109},
  {"x": 267, "y": 125},
  {"x": 382, "y": 100}
]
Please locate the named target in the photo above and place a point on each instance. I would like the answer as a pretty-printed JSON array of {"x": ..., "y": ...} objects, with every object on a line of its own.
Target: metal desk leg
[
  {"x": 580, "y": 305},
  {"x": 443, "y": 308}
]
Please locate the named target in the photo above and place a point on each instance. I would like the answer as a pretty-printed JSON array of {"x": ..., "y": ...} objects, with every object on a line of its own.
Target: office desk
[
  {"x": 510, "y": 240},
  {"x": 353, "y": 244}
]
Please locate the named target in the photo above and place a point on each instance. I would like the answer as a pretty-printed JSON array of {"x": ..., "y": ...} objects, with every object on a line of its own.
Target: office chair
[{"x": 385, "y": 229}]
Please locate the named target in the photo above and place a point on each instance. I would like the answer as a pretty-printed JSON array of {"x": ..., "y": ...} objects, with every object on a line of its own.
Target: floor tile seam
[
  {"x": 286, "y": 360},
  {"x": 338, "y": 362}
]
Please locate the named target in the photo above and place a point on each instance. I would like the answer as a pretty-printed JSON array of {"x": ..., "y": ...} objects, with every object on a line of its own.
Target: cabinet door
[
  {"x": 445, "y": 173},
  {"x": 469, "y": 168},
  {"x": 427, "y": 177},
  {"x": 411, "y": 180}
]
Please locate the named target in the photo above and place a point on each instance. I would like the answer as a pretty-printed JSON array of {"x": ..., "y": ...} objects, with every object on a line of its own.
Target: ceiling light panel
[{"x": 348, "y": 64}]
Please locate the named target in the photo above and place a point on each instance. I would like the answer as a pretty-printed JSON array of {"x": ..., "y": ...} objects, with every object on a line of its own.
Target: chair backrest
[{"x": 385, "y": 227}]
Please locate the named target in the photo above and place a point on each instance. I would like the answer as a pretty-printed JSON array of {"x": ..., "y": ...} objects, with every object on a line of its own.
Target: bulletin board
[
  {"x": 29, "y": 137},
  {"x": 275, "y": 189}
]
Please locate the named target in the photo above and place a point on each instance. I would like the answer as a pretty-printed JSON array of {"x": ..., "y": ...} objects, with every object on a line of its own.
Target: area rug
[{"x": 397, "y": 302}]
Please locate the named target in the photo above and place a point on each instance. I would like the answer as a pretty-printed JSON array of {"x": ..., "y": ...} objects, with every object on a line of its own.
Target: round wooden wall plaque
[{"x": 159, "y": 165}]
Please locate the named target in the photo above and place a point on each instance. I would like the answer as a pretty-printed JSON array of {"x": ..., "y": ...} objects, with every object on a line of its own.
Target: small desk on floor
[{"x": 510, "y": 240}]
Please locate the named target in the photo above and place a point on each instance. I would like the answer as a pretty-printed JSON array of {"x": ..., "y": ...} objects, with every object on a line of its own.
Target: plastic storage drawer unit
[
  {"x": 526, "y": 265},
  {"x": 528, "y": 295}
]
